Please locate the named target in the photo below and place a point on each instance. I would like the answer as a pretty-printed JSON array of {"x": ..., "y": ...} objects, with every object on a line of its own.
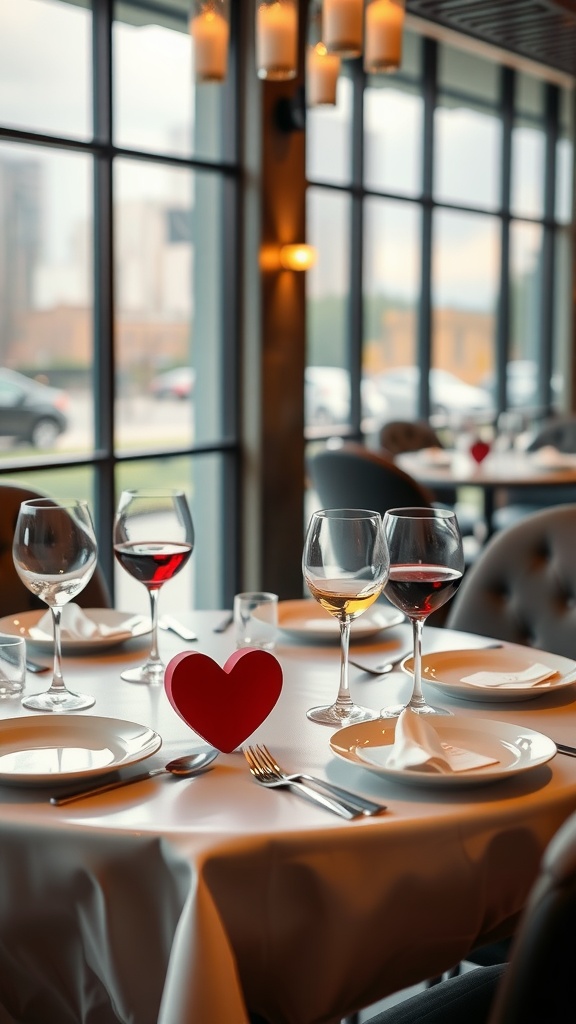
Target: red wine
[
  {"x": 152, "y": 563},
  {"x": 419, "y": 590}
]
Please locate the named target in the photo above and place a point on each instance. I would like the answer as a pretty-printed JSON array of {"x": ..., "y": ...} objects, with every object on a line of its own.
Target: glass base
[
  {"x": 145, "y": 675},
  {"x": 339, "y": 716},
  {"x": 424, "y": 709},
  {"x": 58, "y": 702}
]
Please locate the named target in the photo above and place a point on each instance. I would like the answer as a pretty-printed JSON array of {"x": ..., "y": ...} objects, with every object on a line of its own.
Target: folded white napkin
[
  {"x": 75, "y": 624},
  {"x": 534, "y": 675},
  {"x": 418, "y": 746}
]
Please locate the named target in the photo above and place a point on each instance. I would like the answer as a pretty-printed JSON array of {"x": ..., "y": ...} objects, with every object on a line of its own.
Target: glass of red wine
[
  {"x": 345, "y": 564},
  {"x": 426, "y": 566},
  {"x": 153, "y": 540}
]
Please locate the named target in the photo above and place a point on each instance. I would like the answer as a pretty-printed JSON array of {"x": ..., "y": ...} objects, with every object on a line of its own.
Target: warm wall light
[
  {"x": 342, "y": 26},
  {"x": 276, "y": 39},
  {"x": 383, "y": 36},
  {"x": 209, "y": 28},
  {"x": 298, "y": 256},
  {"x": 322, "y": 68}
]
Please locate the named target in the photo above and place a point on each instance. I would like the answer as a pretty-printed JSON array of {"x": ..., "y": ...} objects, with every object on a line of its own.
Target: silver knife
[{"x": 167, "y": 622}]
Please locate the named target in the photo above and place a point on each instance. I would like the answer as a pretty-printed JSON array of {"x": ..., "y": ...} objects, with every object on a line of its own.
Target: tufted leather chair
[
  {"x": 14, "y": 596},
  {"x": 522, "y": 587}
]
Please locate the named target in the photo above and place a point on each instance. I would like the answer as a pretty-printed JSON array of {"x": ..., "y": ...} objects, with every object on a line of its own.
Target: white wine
[{"x": 345, "y": 597}]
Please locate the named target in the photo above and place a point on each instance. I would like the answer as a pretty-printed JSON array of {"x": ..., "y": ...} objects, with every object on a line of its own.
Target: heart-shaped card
[
  {"x": 479, "y": 450},
  {"x": 224, "y": 705}
]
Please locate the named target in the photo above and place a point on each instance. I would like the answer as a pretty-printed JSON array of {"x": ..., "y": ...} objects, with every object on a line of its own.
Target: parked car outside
[
  {"x": 327, "y": 398},
  {"x": 449, "y": 395},
  {"x": 31, "y": 411},
  {"x": 176, "y": 383}
]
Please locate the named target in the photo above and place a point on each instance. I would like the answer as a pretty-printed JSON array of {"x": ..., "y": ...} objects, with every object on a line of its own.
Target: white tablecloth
[{"x": 178, "y": 901}]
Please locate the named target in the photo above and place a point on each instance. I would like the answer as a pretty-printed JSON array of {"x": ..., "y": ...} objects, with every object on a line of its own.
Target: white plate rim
[
  {"x": 500, "y": 694},
  {"x": 19, "y": 625},
  {"x": 363, "y": 627},
  {"x": 344, "y": 744},
  {"x": 78, "y": 727}
]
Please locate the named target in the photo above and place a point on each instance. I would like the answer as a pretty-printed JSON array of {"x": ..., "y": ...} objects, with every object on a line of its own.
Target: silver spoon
[
  {"x": 380, "y": 670},
  {"x": 183, "y": 767}
]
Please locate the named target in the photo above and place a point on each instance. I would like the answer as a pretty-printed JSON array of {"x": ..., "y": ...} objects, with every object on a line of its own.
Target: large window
[
  {"x": 450, "y": 222},
  {"x": 115, "y": 358}
]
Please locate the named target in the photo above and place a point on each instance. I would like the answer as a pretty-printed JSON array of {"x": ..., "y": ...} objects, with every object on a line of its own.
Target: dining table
[
  {"x": 208, "y": 899},
  {"x": 499, "y": 472}
]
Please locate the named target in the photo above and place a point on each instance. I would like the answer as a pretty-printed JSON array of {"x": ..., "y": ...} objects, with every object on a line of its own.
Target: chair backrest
[
  {"x": 14, "y": 596},
  {"x": 522, "y": 586},
  {"x": 538, "y": 984},
  {"x": 398, "y": 436},
  {"x": 354, "y": 477},
  {"x": 559, "y": 432}
]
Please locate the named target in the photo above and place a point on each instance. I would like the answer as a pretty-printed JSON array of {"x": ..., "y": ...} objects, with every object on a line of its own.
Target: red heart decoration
[
  {"x": 224, "y": 705},
  {"x": 479, "y": 450}
]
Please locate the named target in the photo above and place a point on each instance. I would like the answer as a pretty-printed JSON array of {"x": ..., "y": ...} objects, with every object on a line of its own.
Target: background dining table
[
  {"x": 499, "y": 471},
  {"x": 177, "y": 900}
]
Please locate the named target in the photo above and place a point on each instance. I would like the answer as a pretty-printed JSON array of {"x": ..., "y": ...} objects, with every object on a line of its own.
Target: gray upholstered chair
[
  {"x": 351, "y": 476},
  {"x": 522, "y": 587},
  {"x": 537, "y": 985},
  {"x": 14, "y": 596}
]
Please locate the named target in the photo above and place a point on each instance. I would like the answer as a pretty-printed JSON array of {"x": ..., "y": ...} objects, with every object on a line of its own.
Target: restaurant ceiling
[{"x": 541, "y": 30}]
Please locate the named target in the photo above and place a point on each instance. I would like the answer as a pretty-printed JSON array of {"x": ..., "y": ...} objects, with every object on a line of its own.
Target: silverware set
[{"x": 340, "y": 801}]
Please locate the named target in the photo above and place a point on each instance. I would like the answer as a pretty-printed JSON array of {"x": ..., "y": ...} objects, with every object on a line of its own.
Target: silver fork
[
  {"x": 384, "y": 667},
  {"x": 366, "y": 806},
  {"x": 271, "y": 779}
]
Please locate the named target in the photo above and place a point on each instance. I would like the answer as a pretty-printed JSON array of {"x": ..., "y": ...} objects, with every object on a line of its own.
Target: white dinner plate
[
  {"x": 20, "y": 625},
  {"x": 61, "y": 748},
  {"x": 307, "y": 620},
  {"x": 514, "y": 749},
  {"x": 445, "y": 669}
]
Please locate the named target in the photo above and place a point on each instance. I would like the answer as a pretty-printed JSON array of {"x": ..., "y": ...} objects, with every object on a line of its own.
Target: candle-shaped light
[
  {"x": 342, "y": 26},
  {"x": 322, "y": 68},
  {"x": 383, "y": 37},
  {"x": 209, "y": 29},
  {"x": 276, "y": 39}
]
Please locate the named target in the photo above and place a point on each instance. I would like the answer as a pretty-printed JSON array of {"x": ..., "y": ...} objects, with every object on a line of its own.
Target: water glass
[
  {"x": 256, "y": 619},
  {"x": 12, "y": 666}
]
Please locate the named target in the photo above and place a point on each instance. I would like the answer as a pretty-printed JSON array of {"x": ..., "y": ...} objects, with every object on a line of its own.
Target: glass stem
[
  {"x": 343, "y": 699},
  {"x": 154, "y": 656},
  {"x": 58, "y": 685},
  {"x": 417, "y": 698}
]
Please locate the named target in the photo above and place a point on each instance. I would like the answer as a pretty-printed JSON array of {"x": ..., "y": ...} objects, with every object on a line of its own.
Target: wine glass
[
  {"x": 426, "y": 566},
  {"x": 55, "y": 552},
  {"x": 345, "y": 565},
  {"x": 153, "y": 540}
]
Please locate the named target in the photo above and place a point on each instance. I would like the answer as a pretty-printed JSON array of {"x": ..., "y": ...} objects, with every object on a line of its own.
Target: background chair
[
  {"x": 14, "y": 596},
  {"x": 522, "y": 587},
  {"x": 398, "y": 436},
  {"x": 351, "y": 476},
  {"x": 537, "y": 985}
]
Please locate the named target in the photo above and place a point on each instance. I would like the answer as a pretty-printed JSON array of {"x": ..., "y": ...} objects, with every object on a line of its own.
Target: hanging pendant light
[
  {"x": 342, "y": 23},
  {"x": 276, "y": 39},
  {"x": 322, "y": 68},
  {"x": 210, "y": 29},
  {"x": 383, "y": 36}
]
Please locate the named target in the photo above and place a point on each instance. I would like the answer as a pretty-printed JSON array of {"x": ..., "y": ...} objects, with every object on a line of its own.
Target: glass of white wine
[{"x": 345, "y": 565}]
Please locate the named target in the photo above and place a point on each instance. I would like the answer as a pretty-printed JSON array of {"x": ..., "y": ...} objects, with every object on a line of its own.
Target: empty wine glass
[
  {"x": 55, "y": 554},
  {"x": 153, "y": 540},
  {"x": 345, "y": 565},
  {"x": 426, "y": 566}
]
